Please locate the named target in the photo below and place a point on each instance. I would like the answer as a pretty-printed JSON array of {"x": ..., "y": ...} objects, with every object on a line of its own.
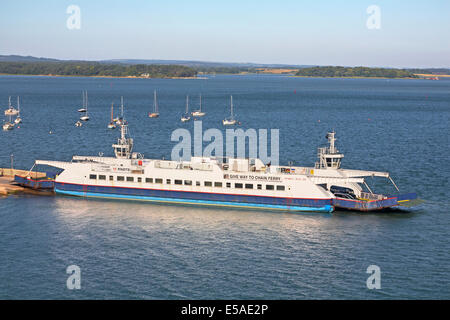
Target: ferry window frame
[
  {"x": 218, "y": 184},
  {"x": 249, "y": 186},
  {"x": 120, "y": 178},
  {"x": 148, "y": 180},
  {"x": 178, "y": 182},
  {"x": 130, "y": 179},
  {"x": 139, "y": 179},
  {"x": 207, "y": 184},
  {"x": 158, "y": 180},
  {"x": 270, "y": 187},
  {"x": 259, "y": 186},
  {"x": 197, "y": 183},
  {"x": 168, "y": 181},
  {"x": 102, "y": 177},
  {"x": 228, "y": 184},
  {"x": 188, "y": 182},
  {"x": 111, "y": 178},
  {"x": 281, "y": 188},
  {"x": 93, "y": 177},
  {"x": 239, "y": 185}
]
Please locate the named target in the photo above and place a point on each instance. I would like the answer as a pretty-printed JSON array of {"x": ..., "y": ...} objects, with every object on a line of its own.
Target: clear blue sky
[{"x": 413, "y": 33}]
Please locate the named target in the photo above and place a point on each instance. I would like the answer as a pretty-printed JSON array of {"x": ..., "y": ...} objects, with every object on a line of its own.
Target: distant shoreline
[{"x": 82, "y": 76}]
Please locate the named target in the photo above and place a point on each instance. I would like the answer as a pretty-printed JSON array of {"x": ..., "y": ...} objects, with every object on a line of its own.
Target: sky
[{"x": 323, "y": 32}]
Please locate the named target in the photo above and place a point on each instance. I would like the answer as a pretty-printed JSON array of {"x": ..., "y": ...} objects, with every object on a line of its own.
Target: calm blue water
[{"x": 130, "y": 250}]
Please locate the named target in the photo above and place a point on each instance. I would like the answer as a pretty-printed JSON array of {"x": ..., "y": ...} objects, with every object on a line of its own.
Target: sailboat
[
  {"x": 185, "y": 117},
  {"x": 231, "y": 120},
  {"x": 8, "y": 125},
  {"x": 11, "y": 111},
  {"x": 119, "y": 120},
  {"x": 83, "y": 109},
  {"x": 199, "y": 112},
  {"x": 85, "y": 117},
  {"x": 18, "y": 118},
  {"x": 155, "y": 113},
  {"x": 112, "y": 124},
  {"x": 78, "y": 123}
]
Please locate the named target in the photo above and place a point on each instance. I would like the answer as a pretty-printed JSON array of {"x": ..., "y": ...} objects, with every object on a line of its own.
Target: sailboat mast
[
  {"x": 86, "y": 103},
  {"x": 232, "y": 106},
  {"x": 155, "y": 103},
  {"x": 187, "y": 104},
  {"x": 112, "y": 112},
  {"x": 121, "y": 103},
  {"x": 18, "y": 104},
  {"x": 200, "y": 102}
]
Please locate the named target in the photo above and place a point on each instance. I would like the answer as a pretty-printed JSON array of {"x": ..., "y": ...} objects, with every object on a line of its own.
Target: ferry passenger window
[
  {"x": 197, "y": 183},
  {"x": 218, "y": 184},
  {"x": 130, "y": 179},
  {"x": 280, "y": 188},
  {"x": 259, "y": 186},
  {"x": 228, "y": 184},
  {"x": 168, "y": 181},
  {"x": 158, "y": 180},
  {"x": 149, "y": 180},
  {"x": 208, "y": 184},
  {"x": 93, "y": 176},
  {"x": 248, "y": 186},
  {"x": 238, "y": 185},
  {"x": 178, "y": 181},
  {"x": 187, "y": 182},
  {"x": 120, "y": 178},
  {"x": 139, "y": 179},
  {"x": 102, "y": 177},
  {"x": 269, "y": 187},
  {"x": 111, "y": 178}
]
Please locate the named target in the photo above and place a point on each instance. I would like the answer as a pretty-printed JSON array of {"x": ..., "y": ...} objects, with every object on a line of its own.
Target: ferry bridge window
[
  {"x": 197, "y": 183},
  {"x": 269, "y": 187},
  {"x": 139, "y": 179},
  {"x": 187, "y": 182},
  {"x": 178, "y": 181},
  {"x": 93, "y": 176},
  {"x": 130, "y": 179},
  {"x": 158, "y": 180},
  {"x": 120, "y": 178},
  {"x": 259, "y": 186},
  {"x": 228, "y": 184},
  {"x": 102, "y": 177},
  {"x": 218, "y": 184},
  {"x": 280, "y": 188},
  {"x": 238, "y": 185},
  {"x": 149, "y": 180},
  {"x": 168, "y": 181},
  {"x": 208, "y": 184},
  {"x": 248, "y": 186},
  {"x": 111, "y": 178}
]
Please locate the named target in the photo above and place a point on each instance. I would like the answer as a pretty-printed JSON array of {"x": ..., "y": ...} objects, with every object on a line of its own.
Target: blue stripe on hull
[{"x": 324, "y": 208}]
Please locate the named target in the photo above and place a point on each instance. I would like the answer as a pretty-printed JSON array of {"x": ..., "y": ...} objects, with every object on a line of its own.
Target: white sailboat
[
  {"x": 18, "y": 118},
  {"x": 112, "y": 124},
  {"x": 11, "y": 111},
  {"x": 119, "y": 120},
  {"x": 8, "y": 125},
  {"x": 83, "y": 109},
  {"x": 231, "y": 120},
  {"x": 78, "y": 123},
  {"x": 185, "y": 117},
  {"x": 199, "y": 112},
  {"x": 85, "y": 117},
  {"x": 155, "y": 113}
]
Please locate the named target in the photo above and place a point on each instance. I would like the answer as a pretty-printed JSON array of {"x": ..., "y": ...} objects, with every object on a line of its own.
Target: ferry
[{"x": 231, "y": 182}]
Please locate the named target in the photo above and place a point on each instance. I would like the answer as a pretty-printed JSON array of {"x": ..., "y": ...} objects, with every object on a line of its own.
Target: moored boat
[{"x": 225, "y": 182}]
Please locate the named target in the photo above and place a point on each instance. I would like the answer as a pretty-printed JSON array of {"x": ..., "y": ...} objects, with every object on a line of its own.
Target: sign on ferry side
[{"x": 251, "y": 177}]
